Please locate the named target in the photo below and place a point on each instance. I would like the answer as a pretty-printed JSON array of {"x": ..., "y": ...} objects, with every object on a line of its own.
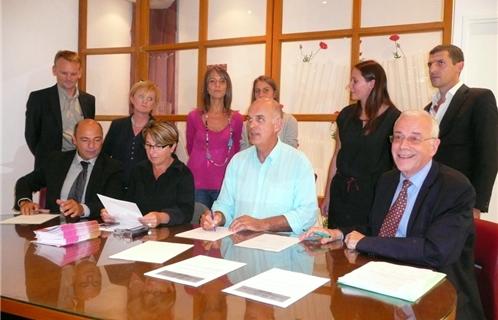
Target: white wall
[
  {"x": 32, "y": 32},
  {"x": 475, "y": 30}
]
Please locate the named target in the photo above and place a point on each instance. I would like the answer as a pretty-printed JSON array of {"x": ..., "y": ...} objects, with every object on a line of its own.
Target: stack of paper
[
  {"x": 68, "y": 233},
  {"x": 403, "y": 282}
]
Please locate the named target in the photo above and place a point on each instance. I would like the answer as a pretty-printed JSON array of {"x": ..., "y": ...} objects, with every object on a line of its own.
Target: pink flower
[
  {"x": 397, "y": 46},
  {"x": 308, "y": 57}
]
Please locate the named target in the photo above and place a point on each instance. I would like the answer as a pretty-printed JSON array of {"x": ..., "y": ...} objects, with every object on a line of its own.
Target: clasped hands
[
  {"x": 329, "y": 235},
  {"x": 69, "y": 207}
]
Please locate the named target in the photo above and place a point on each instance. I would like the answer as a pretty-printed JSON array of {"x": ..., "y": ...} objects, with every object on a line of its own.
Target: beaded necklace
[{"x": 209, "y": 157}]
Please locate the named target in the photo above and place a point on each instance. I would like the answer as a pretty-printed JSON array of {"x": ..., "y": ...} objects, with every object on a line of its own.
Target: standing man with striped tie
[
  {"x": 73, "y": 178},
  {"x": 422, "y": 212}
]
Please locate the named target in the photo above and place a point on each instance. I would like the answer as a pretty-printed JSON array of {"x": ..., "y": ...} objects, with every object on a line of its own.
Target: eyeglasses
[
  {"x": 155, "y": 147},
  {"x": 414, "y": 140}
]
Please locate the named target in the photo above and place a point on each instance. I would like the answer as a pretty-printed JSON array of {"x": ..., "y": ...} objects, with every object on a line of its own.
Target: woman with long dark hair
[
  {"x": 213, "y": 135},
  {"x": 362, "y": 151}
]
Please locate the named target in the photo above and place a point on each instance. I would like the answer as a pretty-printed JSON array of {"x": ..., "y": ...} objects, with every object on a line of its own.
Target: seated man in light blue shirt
[{"x": 269, "y": 186}]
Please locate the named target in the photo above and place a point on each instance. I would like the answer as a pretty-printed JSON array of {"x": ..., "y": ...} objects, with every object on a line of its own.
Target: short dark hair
[{"x": 455, "y": 53}]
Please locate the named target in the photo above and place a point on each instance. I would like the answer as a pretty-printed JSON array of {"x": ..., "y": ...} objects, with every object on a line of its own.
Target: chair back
[
  {"x": 486, "y": 260},
  {"x": 199, "y": 209}
]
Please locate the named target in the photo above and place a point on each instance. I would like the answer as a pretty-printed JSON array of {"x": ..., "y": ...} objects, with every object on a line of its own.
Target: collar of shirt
[
  {"x": 63, "y": 93},
  {"x": 417, "y": 180},
  {"x": 444, "y": 106},
  {"x": 274, "y": 154},
  {"x": 78, "y": 159}
]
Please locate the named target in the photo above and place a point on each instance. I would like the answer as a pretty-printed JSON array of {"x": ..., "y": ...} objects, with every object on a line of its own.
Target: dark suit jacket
[
  {"x": 440, "y": 232},
  {"x": 106, "y": 179},
  {"x": 43, "y": 128},
  {"x": 469, "y": 139}
]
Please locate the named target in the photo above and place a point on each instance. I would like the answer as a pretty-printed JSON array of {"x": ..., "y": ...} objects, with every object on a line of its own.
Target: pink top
[{"x": 209, "y": 173}]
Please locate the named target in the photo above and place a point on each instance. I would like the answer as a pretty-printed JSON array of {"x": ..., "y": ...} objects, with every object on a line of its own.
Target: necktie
[
  {"x": 78, "y": 187},
  {"x": 393, "y": 217}
]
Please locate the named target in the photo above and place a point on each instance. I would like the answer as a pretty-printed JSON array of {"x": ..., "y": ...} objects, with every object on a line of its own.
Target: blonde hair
[
  {"x": 147, "y": 85},
  {"x": 67, "y": 55},
  {"x": 162, "y": 132}
]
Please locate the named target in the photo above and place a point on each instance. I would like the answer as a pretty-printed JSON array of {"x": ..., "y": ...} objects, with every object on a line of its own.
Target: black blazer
[
  {"x": 106, "y": 179},
  {"x": 469, "y": 139},
  {"x": 43, "y": 127},
  {"x": 440, "y": 232}
]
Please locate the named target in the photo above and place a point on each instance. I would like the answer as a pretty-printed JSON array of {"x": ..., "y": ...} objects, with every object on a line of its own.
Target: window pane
[
  {"x": 407, "y": 76},
  {"x": 108, "y": 78},
  {"x": 174, "y": 21},
  {"x": 175, "y": 73},
  {"x": 316, "y": 15},
  {"x": 109, "y": 23},
  {"x": 244, "y": 64},
  {"x": 319, "y": 85},
  {"x": 236, "y": 18},
  {"x": 374, "y": 12}
]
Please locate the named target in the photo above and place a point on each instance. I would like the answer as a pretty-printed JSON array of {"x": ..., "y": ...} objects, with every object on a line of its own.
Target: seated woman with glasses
[
  {"x": 124, "y": 141},
  {"x": 162, "y": 186}
]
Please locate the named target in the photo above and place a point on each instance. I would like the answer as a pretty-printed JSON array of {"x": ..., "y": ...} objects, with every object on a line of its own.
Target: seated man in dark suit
[
  {"x": 422, "y": 212},
  {"x": 73, "y": 178}
]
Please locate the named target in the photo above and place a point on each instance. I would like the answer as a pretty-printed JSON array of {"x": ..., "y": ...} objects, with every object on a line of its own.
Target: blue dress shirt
[{"x": 284, "y": 184}]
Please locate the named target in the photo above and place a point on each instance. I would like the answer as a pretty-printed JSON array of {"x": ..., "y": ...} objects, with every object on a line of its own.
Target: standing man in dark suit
[
  {"x": 60, "y": 174},
  {"x": 52, "y": 113},
  {"x": 468, "y": 120},
  {"x": 422, "y": 213}
]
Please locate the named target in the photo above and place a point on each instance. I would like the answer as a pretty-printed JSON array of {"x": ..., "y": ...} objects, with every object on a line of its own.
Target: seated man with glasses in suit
[
  {"x": 422, "y": 213},
  {"x": 73, "y": 178}
]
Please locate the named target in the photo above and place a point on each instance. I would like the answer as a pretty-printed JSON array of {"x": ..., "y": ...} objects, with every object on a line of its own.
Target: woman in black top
[
  {"x": 362, "y": 151},
  {"x": 162, "y": 186},
  {"x": 124, "y": 140}
]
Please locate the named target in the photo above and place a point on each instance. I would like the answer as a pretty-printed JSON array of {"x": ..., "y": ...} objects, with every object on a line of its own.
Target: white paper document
[
  {"x": 208, "y": 235},
  {"x": 152, "y": 251},
  {"x": 125, "y": 213},
  {"x": 195, "y": 271},
  {"x": 30, "y": 219},
  {"x": 269, "y": 242},
  {"x": 277, "y": 287},
  {"x": 403, "y": 282}
]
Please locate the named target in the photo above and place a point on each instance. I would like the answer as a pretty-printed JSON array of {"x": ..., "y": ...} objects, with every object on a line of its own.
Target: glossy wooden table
[{"x": 75, "y": 284}]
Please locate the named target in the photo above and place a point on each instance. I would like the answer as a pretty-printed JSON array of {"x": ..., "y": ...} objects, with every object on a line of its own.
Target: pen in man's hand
[{"x": 212, "y": 218}]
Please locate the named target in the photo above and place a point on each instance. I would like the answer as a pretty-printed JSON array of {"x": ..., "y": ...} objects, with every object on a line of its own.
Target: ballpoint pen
[{"x": 212, "y": 218}]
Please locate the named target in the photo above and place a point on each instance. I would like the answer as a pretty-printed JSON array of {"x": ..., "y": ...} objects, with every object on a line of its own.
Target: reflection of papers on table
[
  {"x": 152, "y": 251},
  {"x": 195, "y": 271},
  {"x": 403, "y": 282},
  {"x": 62, "y": 256},
  {"x": 30, "y": 219},
  {"x": 112, "y": 246},
  {"x": 351, "y": 291},
  {"x": 269, "y": 242},
  {"x": 277, "y": 287},
  {"x": 207, "y": 235},
  {"x": 125, "y": 213}
]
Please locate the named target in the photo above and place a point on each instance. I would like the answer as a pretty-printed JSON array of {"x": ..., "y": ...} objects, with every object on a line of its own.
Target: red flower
[
  {"x": 394, "y": 37},
  {"x": 323, "y": 45}
]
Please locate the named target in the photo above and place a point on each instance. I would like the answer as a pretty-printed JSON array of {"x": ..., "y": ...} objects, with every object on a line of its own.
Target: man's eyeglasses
[
  {"x": 398, "y": 138},
  {"x": 156, "y": 146}
]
